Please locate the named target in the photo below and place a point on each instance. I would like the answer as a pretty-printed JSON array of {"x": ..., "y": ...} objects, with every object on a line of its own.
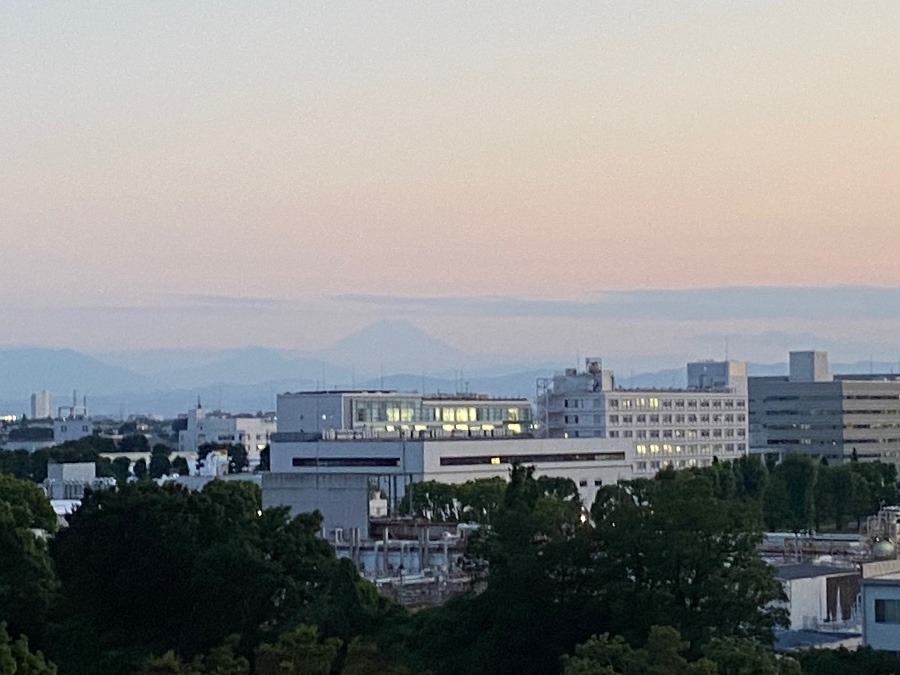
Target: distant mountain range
[{"x": 386, "y": 354}]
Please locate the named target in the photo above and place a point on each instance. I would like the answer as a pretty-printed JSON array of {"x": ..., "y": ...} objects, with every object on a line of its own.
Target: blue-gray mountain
[{"x": 393, "y": 355}]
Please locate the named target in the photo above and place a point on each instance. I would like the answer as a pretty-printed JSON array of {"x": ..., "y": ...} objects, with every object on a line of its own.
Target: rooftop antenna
[
  {"x": 382, "y": 374},
  {"x": 726, "y": 347},
  {"x": 353, "y": 376}
]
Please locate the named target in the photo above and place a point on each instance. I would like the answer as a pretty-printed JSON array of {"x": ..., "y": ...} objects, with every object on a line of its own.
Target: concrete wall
[
  {"x": 310, "y": 413},
  {"x": 343, "y": 500}
]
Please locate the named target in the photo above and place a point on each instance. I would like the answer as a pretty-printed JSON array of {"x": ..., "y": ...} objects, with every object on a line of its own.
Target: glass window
[{"x": 887, "y": 611}]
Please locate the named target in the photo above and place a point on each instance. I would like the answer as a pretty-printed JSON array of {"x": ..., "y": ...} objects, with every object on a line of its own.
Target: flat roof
[
  {"x": 393, "y": 392},
  {"x": 810, "y": 570}
]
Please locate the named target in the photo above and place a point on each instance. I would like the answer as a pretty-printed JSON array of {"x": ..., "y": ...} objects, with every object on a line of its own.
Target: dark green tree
[
  {"x": 265, "y": 458},
  {"x": 237, "y": 458},
  {"x": 159, "y": 466},
  {"x": 791, "y": 497},
  {"x": 29, "y": 506},
  {"x": 666, "y": 653},
  {"x": 134, "y": 443},
  {"x": 662, "y": 655},
  {"x": 152, "y": 568},
  {"x": 120, "y": 469},
  {"x": 180, "y": 466},
  {"x": 669, "y": 551},
  {"x": 140, "y": 469},
  {"x": 27, "y": 581},
  {"x": 16, "y": 657}
]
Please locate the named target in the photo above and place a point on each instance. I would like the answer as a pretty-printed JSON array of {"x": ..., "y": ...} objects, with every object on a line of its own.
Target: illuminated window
[
  {"x": 495, "y": 460},
  {"x": 641, "y": 449}
]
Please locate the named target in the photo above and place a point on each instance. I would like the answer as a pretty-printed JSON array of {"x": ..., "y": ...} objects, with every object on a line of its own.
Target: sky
[{"x": 226, "y": 173}]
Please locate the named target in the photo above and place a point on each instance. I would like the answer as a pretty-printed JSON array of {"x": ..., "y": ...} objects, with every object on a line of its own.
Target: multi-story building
[
  {"x": 251, "y": 431},
  {"x": 666, "y": 427},
  {"x": 828, "y": 416},
  {"x": 41, "y": 405},
  {"x": 393, "y": 414}
]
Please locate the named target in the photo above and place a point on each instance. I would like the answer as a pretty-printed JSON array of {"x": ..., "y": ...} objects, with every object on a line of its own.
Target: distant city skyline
[{"x": 510, "y": 177}]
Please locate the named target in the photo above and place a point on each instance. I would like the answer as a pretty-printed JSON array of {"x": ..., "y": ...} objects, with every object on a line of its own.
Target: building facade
[
  {"x": 251, "y": 431},
  {"x": 392, "y": 414},
  {"x": 835, "y": 417},
  {"x": 395, "y": 463},
  {"x": 665, "y": 427}
]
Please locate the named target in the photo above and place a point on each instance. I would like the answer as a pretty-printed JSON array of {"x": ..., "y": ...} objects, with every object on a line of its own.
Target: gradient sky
[{"x": 153, "y": 152}]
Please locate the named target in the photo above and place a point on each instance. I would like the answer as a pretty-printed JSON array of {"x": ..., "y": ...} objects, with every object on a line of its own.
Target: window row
[
  {"x": 677, "y": 433},
  {"x": 676, "y": 449}
]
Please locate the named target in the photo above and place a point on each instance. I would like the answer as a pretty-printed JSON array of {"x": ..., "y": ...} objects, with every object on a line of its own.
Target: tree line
[
  {"x": 32, "y": 466},
  {"x": 797, "y": 494}
]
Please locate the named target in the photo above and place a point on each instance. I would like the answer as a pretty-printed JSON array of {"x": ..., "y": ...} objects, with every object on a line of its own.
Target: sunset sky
[{"x": 230, "y": 173}]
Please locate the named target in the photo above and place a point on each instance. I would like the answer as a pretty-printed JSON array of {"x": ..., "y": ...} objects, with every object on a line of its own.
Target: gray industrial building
[{"x": 815, "y": 412}]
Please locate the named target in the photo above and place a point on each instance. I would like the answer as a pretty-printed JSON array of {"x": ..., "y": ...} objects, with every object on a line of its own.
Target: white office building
[
  {"x": 665, "y": 427},
  {"x": 395, "y": 463},
  {"x": 392, "y": 414},
  {"x": 251, "y": 431}
]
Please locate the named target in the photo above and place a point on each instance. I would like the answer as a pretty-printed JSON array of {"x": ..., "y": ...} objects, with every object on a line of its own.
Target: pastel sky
[{"x": 303, "y": 153}]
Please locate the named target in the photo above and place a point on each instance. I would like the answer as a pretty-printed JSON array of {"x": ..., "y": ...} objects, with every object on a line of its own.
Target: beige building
[{"x": 665, "y": 427}]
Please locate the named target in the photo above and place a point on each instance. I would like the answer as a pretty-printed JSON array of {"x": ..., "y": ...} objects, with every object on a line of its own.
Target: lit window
[{"x": 495, "y": 460}]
